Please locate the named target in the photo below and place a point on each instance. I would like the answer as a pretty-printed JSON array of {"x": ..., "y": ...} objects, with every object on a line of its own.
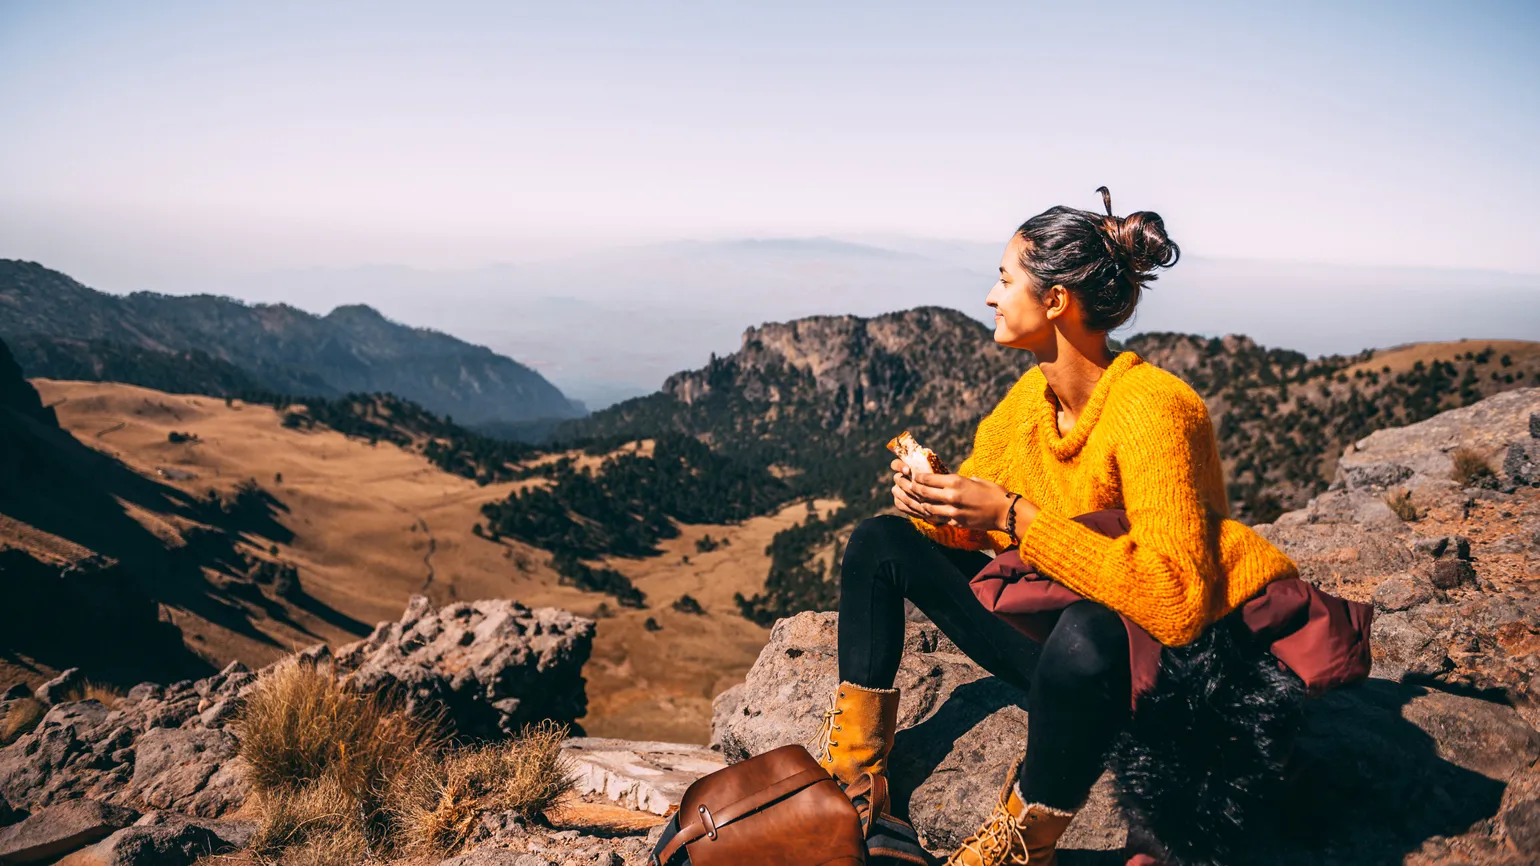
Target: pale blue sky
[{"x": 162, "y": 144}]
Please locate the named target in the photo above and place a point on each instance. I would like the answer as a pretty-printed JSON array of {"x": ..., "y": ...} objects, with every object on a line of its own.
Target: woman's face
[{"x": 1021, "y": 320}]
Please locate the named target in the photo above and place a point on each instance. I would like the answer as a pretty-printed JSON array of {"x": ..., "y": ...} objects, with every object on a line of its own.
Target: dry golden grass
[
  {"x": 320, "y": 759},
  {"x": 22, "y": 716},
  {"x": 1471, "y": 469},
  {"x": 106, "y": 695},
  {"x": 1401, "y": 503},
  {"x": 438, "y": 802}
]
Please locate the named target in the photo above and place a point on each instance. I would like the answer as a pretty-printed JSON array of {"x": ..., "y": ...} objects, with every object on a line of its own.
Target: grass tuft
[
  {"x": 438, "y": 802},
  {"x": 1401, "y": 503},
  {"x": 320, "y": 758},
  {"x": 1471, "y": 469},
  {"x": 20, "y": 718}
]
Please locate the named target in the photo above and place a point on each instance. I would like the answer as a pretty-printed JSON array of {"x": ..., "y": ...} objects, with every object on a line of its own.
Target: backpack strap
[{"x": 708, "y": 822}]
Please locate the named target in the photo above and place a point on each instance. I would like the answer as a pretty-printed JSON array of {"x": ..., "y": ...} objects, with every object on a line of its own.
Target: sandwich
[{"x": 916, "y": 456}]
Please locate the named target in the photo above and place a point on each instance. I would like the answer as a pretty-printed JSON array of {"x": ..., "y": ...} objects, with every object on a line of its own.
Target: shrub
[
  {"x": 22, "y": 716},
  {"x": 687, "y": 604},
  {"x": 319, "y": 760},
  {"x": 1401, "y": 503},
  {"x": 1471, "y": 469},
  {"x": 438, "y": 801}
]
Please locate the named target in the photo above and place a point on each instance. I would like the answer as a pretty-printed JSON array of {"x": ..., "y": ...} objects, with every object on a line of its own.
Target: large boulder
[
  {"x": 493, "y": 666},
  {"x": 1458, "y": 586},
  {"x": 1383, "y": 769}
]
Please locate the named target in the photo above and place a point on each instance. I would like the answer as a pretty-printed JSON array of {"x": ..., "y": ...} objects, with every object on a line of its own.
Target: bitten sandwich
[{"x": 916, "y": 456}]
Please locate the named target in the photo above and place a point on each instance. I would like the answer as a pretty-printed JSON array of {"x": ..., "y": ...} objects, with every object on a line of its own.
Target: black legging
[{"x": 1077, "y": 683}]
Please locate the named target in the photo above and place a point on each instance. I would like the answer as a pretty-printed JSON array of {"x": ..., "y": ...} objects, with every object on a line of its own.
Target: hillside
[
  {"x": 62, "y": 329},
  {"x": 325, "y": 534}
]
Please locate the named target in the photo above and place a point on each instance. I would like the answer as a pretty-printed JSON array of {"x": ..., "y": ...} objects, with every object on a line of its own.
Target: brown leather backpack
[{"x": 775, "y": 809}]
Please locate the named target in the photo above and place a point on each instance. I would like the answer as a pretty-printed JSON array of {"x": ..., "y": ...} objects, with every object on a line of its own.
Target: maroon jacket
[{"x": 1323, "y": 639}]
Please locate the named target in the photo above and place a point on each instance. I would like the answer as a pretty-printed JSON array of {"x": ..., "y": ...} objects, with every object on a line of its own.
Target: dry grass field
[{"x": 372, "y": 525}]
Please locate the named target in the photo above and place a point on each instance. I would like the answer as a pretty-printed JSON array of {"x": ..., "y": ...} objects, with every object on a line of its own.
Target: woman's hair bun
[
  {"x": 1138, "y": 242},
  {"x": 1104, "y": 259}
]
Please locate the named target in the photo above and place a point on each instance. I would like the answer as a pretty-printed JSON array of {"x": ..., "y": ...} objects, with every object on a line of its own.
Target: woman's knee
[
  {"x": 1088, "y": 645},
  {"x": 878, "y": 536}
]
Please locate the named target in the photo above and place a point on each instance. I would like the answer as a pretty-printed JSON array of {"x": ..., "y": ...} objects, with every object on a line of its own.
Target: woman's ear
[{"x": 1056, "y": 301}]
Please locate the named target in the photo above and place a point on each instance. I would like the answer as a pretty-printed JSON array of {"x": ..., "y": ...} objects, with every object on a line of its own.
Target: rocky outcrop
[
  {"x": 159, "y": 746},
  {"x": 492, "y": 666},
  {"x": 1457, "y": 585}
]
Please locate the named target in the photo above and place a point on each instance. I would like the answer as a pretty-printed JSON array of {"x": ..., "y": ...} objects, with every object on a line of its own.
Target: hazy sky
[{"x": 163, "y": 144}]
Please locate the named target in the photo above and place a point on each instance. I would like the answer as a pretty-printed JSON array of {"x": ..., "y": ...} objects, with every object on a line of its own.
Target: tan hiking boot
[
  {"x": 1015, "y": 833},
  {"x": 857, "y": 732}
]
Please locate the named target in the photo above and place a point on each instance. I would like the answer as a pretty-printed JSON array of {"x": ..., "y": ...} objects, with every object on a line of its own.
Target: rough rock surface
[
  {"x": 61, "y": 829},
  {"x": 495, "y": 665},
  {"x": 1384, "y": 770},
  {"x": 162, "y": 839},
  {"x": 1457, "y": 588},
  {"x": 645, "y": 776},
  {"x": 155, "y": 747}
]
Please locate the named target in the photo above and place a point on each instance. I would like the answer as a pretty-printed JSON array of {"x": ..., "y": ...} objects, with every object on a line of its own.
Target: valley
[{"x": 366, "y": 526}]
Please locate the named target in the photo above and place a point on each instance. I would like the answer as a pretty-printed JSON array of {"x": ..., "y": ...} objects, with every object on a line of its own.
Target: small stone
[
  {"x": 1402, "y": 591},
  {"x": 1452, "y": 573}
]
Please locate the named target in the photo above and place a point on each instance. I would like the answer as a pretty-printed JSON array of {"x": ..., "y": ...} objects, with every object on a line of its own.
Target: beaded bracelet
[{"x": 1010, "y": 519}]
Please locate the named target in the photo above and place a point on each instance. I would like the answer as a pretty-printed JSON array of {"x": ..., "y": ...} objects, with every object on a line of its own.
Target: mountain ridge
[{"x": 352, "y": 349}]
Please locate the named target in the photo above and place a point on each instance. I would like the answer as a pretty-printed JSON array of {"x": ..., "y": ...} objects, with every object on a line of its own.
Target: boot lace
[
  {"x": 997, "y": 843},
  {"x": 823, "y": 741}
]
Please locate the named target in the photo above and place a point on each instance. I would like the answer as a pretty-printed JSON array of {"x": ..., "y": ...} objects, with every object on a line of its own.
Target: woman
[{"x": 1084, "y": 430}]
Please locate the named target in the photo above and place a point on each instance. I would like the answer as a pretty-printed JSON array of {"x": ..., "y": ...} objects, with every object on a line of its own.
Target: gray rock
[
  {"x": 494, "y": 666},
  {"x": 1401, "y": 454},
  {"x": 191, "y": 771},
  {"x": 1404, "y": 644},
  {"x": 1521, "y": 465},
  {"x": 644, "y": 776},
  {"x": 1402, "y": 591},
  {"x": 168, "y": 844},
  {"x": 58, "y": 830},
  {"x": 58, "y": 689},
  {"x": 59, "y": 759},
  {"x": 235, "y": 833}
]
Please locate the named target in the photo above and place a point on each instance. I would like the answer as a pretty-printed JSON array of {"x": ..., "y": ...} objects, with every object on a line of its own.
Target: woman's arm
[{"x": 1163, "y": 573}]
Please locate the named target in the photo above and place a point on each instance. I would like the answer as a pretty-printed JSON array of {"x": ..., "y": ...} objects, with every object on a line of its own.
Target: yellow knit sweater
[{"x": 1143, "y": 443}]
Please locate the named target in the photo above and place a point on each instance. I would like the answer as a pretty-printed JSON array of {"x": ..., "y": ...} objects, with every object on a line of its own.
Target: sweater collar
[{"x": 1066, "y": 447}]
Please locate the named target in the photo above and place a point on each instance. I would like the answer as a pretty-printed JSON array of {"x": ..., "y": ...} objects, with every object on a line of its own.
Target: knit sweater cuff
[
  {"x": 1066, "y": 551},
  {"x": 963, "y": 539}
]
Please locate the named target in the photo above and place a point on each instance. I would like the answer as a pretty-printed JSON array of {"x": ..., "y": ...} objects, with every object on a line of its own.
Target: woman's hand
[{"x": 952, "y": 500}]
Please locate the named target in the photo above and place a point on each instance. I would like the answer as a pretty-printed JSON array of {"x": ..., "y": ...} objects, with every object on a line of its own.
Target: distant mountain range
[{"x": 59, "y": 328}]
